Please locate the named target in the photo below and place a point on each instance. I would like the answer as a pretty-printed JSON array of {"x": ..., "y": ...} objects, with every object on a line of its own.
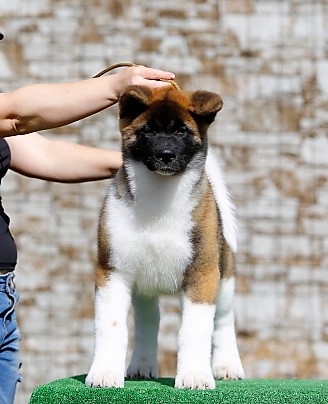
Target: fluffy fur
[{"x": 167, "y": 225}]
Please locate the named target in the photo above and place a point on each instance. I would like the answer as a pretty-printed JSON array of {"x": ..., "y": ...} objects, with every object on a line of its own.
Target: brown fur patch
[
  {"x": 151, "y": 101},
  {"x": 227, "y": 262},
  {"x": 202, "y": 278},
  {"x": 103, "y": 269},
  {"x": 101, "y": 276},
  {"x": 123, "y": 188}
]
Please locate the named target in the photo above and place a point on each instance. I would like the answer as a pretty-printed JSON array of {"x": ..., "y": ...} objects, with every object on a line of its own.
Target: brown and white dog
[{"x": 167, "y": 225}]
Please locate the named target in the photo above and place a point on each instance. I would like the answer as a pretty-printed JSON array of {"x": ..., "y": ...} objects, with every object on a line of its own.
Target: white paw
[
  {"x": 142, "y": 370},
  {"x": 104, "y": 379},
  {"x": 228, "y": 369},
  {"x": 195, "y": 381}
]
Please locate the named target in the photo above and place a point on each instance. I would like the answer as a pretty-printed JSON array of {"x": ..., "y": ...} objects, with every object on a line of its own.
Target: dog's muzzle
[{"x": 167, "y": 159}]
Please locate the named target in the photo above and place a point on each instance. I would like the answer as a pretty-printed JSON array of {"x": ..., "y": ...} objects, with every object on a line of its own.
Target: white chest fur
[{"x": 150, "y": 235}]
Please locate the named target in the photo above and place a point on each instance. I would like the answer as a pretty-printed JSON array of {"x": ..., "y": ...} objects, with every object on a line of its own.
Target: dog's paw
[
  {"x": 104, "y": 379},
  {"x": 195, "y": 381},
  {"x": 142, "y": 370},
  {"x": 228, "y": 369}
]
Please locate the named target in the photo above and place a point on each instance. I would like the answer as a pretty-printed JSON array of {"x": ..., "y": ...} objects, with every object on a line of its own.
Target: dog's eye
[
  {"x": 145, "y": 131},
  {"x": 181, "y": 132},
  {"x": 148, "y": 134}
]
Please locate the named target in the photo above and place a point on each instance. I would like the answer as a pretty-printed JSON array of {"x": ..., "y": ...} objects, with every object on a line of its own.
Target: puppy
[{"x": 167, "y": 225}]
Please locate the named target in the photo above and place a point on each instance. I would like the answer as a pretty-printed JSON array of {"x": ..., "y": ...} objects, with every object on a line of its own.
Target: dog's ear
[
  {"x": 205, "y": 105},
  {"x": 134, "y": 101}
]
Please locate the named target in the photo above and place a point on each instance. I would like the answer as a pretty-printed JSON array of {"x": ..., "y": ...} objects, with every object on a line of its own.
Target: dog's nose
[{"x": 166, "y": 156}]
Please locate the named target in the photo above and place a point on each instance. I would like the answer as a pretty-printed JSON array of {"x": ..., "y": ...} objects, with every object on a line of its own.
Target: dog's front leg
[
  {"x": 194, "y": 346},
  {"x": 112, "y": 302}
]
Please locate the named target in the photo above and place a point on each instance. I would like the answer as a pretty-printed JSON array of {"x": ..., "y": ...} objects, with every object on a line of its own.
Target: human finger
[{"x": 154, "y": 74}]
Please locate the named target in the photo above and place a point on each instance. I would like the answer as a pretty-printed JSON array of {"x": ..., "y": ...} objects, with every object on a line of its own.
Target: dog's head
[{"x": 166, "y": 128}]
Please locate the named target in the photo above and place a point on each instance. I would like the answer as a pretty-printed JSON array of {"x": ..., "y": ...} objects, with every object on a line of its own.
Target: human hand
[{"x": 142, "y": 76}]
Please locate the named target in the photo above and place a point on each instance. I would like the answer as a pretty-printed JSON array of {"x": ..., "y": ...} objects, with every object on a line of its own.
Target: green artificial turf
[{"x": 261, "y": 391}]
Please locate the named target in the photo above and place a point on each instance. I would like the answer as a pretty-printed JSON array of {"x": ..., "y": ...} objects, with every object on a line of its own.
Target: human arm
[
  {"x": 45, "y": 106},
  {"x": 35, "y": 156}
]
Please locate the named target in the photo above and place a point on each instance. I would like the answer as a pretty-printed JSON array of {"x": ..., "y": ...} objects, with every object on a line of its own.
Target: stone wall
[{"x": 269, "y": 61}]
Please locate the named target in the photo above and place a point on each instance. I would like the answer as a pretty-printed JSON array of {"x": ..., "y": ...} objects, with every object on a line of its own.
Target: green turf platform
[{"x": 162, "y": 391}]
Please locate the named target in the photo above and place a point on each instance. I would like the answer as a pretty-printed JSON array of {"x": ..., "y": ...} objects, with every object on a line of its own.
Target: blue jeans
[{"x": 9, "y": 339}]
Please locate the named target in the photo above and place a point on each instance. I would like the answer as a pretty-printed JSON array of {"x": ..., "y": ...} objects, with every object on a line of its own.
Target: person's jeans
[{"x": 9, "y": 339}]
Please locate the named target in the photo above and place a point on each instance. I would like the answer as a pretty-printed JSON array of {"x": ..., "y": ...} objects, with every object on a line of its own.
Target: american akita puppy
[{"x": 167, "y": 225}]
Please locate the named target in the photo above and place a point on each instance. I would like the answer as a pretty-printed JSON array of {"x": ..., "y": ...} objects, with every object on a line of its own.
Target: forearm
[
  {"x": 78, "y": 163},
  {"x": 45, "y": 106},
  {"x": 38, "y": 157}
]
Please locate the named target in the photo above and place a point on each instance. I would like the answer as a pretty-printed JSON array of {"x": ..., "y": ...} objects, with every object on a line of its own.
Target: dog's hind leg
[
  {"x": 144, "y": 357},
  {"x": 226, "y": 363}
]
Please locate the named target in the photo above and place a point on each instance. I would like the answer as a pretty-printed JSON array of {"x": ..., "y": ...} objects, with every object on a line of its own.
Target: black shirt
[{"x": 8, "y": 250}]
